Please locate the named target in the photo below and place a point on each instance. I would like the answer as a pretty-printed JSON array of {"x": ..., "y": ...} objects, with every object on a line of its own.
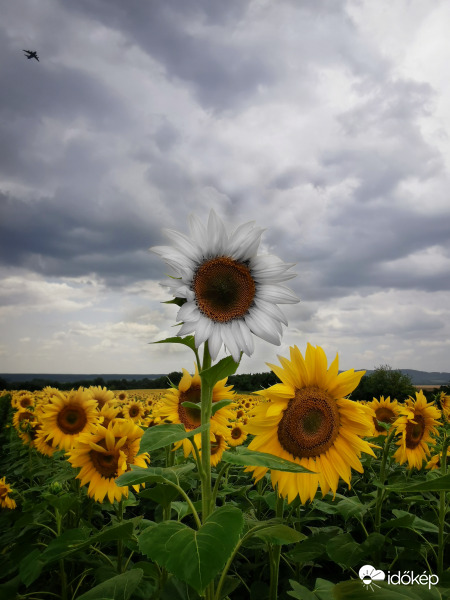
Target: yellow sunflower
[
  {"x": 444, "y": 400},
  {"x": 43, "y": 445},
  {"x": 218, "y": 445},
  {"x": 435, "y": 461},
  {"x": 25, "y": 402},
  {"x": 236, "y": 435},
  {"x": 416, "y": 425},
  {"x": 102, "y": 395},
  {"x": 5, "y": 490},
  {"x": 121, "y": 397},
  {"x": 105, "y": 454},
  {"x": 308, "y": 420},
  {"x": 189, "y": 391},
  {"x": 65, "y": 417},
  {"x": 134, "y": 410},
  {"x": 25, "y": 424},
  {"x": 386, "y": 411}
]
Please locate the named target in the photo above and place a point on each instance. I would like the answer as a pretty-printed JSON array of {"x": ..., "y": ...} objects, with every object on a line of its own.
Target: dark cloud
[{"x": 60, "y": 237}]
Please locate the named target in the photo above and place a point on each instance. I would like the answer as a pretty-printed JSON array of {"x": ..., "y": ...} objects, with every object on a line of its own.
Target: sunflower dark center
[
  {"x": 414, "y": 432},
  {"x": 215, "y": 446},
  {"x": 72, "y": 419},
  {"x": 236, "y": 433},
  {"x": 189, "y": 416},
  {"x": 133, "y": 411},
  {"x": 3, "y": 491},
  {"x": 385, "y": 415},
  {"x": 310, "y": 423},
  {"x": 224, "y": 289},
  {"x": 107, "y": 463}
]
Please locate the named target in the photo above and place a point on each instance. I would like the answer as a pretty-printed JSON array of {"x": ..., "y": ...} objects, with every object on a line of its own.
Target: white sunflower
[{"x": 229, "y": 292}]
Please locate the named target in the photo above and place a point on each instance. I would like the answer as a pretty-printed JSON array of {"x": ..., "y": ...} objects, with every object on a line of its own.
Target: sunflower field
[{"x": 297, "y": 491}]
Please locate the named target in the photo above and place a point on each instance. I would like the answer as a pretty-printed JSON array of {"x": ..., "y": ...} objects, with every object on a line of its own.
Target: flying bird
[{"x": 31, "y": 54}]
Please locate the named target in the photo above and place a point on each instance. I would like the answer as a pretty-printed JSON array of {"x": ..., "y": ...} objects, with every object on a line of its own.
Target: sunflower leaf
[
  {"x": 224, "y": 368},
  {"x": 218, "y": 405},
  {"x": 139, "y": 475},
  {"x": 250, "y": 458},
  {"x": 437, "y": 484},
  {"x": 194, "y": 556},
  {"x": 191, "y": 405},
  {"x": 120, "y": 587},
  {"x": 279, "y": 534},
  {"x": 188, "y": 341},
  {"x": 177, "y": 301},
  {"x": 166, "y": 434}
]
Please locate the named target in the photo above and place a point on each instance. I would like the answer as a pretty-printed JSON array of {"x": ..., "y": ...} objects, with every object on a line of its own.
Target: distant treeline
[
  {"x": 383, "y": 381},
  {"x": 247, "y": 382}
]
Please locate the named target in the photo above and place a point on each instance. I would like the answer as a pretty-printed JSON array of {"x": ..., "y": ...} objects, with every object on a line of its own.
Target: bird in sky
[{"x": 31, "y": 54}]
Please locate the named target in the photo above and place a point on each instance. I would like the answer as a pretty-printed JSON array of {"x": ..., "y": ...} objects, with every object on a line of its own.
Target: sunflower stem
[
  {"x": 380, "y": 490},
  {"x": 206, "y": 407},
  {"x": 62, "y": 570},
  {"x": 222, "y": 472},
  {"x": 275, "y": 554},
  {"x": 120, "y": 541},
  {"x": 442, "y": 509}
]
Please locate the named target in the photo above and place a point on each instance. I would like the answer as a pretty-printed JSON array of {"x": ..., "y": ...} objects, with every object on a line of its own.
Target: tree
[{"x": 385, "y": 381}]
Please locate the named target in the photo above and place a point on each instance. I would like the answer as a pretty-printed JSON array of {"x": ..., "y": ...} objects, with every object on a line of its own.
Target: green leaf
[
  {"x": 437, "y": 484},
  {"x": 73, "y": 540},
  {"x": 417, "y": 523},
  {"x": 224, "y": 368},
  {"x": 62, "y": 503},
  {"x": 177, "y": 301},
  {"x": 344, "y": 550},
  {"x": 154, "y": 474},
  {"x": 120, "y": 587},
  {"x": 250, "y": 458},
  {"x": 188, "y": 341},
  {"x": 161, "y": 493},
  {"x": 279, "y": 534},
  {"x": 300, "y": 591},
  {"x": 351, "y": 507},
  {"x": 163, "y": 435},
  {"x": 30, "y": 567},
  {"x": 323, "y": 589},
  {"x": 194, "y": 556},
  {"x": 192, "y": 405},
  {"x": 218, "y": 405},
  {"x": 356, "y": 590},
  {"x": 314, "y": 546}
]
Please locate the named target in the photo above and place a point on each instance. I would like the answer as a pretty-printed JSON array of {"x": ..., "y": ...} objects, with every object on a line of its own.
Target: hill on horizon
[{"x": 417, "y": 377}]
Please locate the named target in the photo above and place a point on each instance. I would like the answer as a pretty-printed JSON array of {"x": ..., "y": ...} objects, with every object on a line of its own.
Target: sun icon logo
[{"x": 369, "y": 575}]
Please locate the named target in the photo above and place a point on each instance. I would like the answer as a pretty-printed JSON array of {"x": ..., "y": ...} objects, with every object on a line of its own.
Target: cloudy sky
[{"x": 325, "y": 121}]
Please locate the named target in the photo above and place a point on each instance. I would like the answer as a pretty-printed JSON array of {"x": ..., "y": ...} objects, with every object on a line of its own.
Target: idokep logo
[{"x": 369, "y": 576}]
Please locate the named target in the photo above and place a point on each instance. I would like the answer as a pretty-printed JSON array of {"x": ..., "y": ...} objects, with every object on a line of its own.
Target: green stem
[
  {"x": 62, "y": 571},
  {"x": 188, "y": 500},
  {"x": 380, "y": 490},
  {"x": 442, "y": 510},
  {"x": 206, "y": 407},
  {"x": 222, "y": 472},
  {"x": 275, "y": 555},
  {"x": 120, "y": 541}
]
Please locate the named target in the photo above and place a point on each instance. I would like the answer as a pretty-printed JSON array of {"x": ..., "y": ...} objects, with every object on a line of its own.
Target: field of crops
[{"x": 101, "y": 496}]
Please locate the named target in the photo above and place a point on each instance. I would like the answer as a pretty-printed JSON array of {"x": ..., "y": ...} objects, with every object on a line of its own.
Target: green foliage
[{"x": 384, "y": 381}]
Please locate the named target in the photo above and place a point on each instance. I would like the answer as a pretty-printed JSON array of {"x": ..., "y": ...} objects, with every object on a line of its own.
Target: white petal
[
  {"x": 188, "y": 312},
  {"x": 244, "y": 241},
  {"x": 270, "y": 269},
  {"x": 198, "y": 230},
  {"x": 271, "y": 309},
  {"x": 237, "y": 334},
  {"x": 215, "y": 341},
  {"x": 230, "y": 341},
  {"x": 217, "y": 239},
  {"x": 184, "y": 244},
  {"x": 263, "y": 327},
  {"x": 187, "y": 328},
  {"x": 279, "y": 294},
  {"x": 248, "y": 337},
  {"x": 203, "y": 329}
]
